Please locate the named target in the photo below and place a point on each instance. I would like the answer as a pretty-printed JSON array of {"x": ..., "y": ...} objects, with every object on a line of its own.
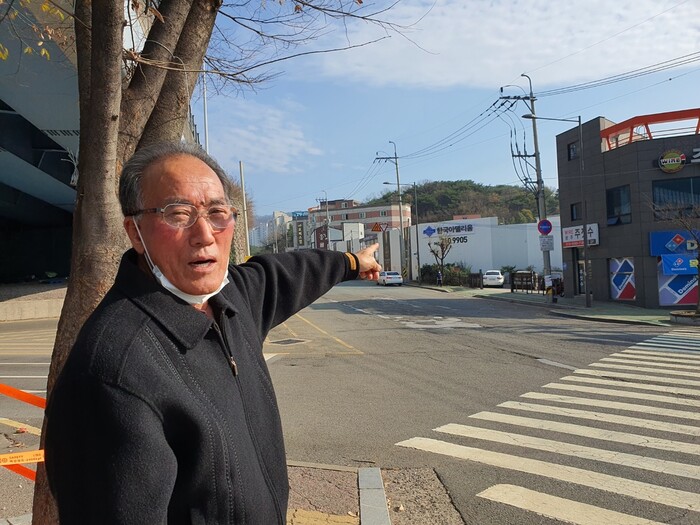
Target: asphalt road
[
  {"x": 366, "y": 374},
  {"x": 366, "y": 368}
]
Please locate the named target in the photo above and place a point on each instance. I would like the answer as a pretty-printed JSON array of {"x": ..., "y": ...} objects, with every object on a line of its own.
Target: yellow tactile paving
[{"x": 312, "y": 517}]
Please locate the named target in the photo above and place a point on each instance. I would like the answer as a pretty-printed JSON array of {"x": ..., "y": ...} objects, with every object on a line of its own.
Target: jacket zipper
[
  {"x": 234, "y": 369},
  {"x": 227, "y": 350}
]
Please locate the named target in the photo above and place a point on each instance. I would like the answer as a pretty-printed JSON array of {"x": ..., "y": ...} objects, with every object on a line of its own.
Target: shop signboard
[
  {"x": 572, "y": 236},
  {"x": 672, "y": 242}
]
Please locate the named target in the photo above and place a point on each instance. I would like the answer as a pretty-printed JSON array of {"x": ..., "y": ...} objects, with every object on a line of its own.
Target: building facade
[{"x": 631, "y": 181}]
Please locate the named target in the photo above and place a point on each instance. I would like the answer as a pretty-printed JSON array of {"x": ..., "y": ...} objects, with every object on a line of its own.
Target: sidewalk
[{"x": 602, "y": 311}]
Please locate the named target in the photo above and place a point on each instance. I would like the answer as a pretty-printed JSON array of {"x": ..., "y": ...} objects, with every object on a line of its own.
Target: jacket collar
[{"x": 186, "y": 324}]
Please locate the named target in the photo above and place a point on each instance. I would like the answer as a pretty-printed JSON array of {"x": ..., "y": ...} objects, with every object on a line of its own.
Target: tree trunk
[
  {"x": 141, "y": 96},
  {"x": 97, "y": 237}
]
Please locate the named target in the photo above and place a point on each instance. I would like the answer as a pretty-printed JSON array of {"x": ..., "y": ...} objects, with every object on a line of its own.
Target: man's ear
[{"x": 132, "y": 232}]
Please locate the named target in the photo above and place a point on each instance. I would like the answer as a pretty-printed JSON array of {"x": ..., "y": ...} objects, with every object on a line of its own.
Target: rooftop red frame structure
[{"x": 623, "y": 133}]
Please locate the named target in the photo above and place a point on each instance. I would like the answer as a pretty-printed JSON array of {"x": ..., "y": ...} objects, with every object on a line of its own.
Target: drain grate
[{"x": 285, "y": 342}]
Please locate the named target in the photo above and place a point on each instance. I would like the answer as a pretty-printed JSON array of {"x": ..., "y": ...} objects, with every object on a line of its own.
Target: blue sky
[{"x": 319, "y": 126}]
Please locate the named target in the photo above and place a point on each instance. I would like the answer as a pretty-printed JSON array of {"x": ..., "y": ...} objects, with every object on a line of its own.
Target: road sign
[
  {"x": 376, "y": 227},
  {"x": 544, "y": 227},
  {"x": 546, "y": 243}
]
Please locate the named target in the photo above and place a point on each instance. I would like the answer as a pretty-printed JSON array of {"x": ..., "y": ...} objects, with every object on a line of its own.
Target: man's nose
[{"x": 202, "y": 231}]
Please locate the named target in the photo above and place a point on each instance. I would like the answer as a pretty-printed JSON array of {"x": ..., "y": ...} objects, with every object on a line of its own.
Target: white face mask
[{"x": 165, "y": 283}]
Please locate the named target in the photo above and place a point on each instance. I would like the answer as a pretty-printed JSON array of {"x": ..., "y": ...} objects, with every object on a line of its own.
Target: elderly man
[{"x": 165, "y": 411}]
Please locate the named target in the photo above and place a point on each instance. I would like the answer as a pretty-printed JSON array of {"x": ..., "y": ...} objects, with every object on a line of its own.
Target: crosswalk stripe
[
  {"x": 665, "y": 346},
  {"x": 682, "y": 338},
  {"x": 687, "y": 356},
  {"x": 557, "y": 508},
  {"x": 590, "y": 432},
  {"x": 612, "y": 373},
  {"x": 637, "y": 362},
  {"x": 628, "y": 407},
  {"x": 649, "y": 358},
  {"x": 646, "y": 369},
  {"x": 573, "y": 450},
  {"x": 603, "y": 417},
  {"x": 587, "y": 478},
  {"x": 625, "y": 393},
  {"x": 639, "y": 386}
]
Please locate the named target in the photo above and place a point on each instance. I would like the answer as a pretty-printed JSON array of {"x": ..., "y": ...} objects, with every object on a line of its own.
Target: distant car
[
  {"x": 494, "y": 278},
  {"x": 387, "y": 278}
]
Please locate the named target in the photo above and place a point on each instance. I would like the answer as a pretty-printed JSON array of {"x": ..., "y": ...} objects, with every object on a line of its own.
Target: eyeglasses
[{"x": 219, "y": 216}]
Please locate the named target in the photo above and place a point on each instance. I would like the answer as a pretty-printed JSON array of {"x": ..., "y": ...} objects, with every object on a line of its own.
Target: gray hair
[{"x": 130, "y": 192}]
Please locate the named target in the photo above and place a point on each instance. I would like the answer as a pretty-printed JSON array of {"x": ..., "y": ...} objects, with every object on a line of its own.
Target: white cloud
[
  {"x": 268, "y": 139},
  {"x": 482, "y": 43}
]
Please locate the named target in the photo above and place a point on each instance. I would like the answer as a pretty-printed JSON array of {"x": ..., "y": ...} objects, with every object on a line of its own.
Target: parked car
[
  {"x": 494, "y": 278},
  {"x": 387, "y": 278}
]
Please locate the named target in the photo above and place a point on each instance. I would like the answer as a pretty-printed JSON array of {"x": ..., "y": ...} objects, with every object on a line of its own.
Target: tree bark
[
  {"x": 98, "y": 240},
  {"x": 144, "y": 89},
  {"x": 169, "y": 117}
]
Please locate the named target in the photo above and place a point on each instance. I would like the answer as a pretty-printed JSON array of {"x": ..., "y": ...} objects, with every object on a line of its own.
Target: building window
[
  {"x": 619, "y": 205},
  {"x": 673, "y": 197},
  {"x": 344, "y": 217},
  {"x": 363, "y": 215},
  {"x": 344, "y": 205},
  {"x": 572, "y": 150},
  {"x": 576, "y": 211},
  {"x": 383, "y": 213}
]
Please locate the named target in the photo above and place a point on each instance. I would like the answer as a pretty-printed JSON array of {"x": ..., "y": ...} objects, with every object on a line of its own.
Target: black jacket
[{"x": 161, "y": 415}]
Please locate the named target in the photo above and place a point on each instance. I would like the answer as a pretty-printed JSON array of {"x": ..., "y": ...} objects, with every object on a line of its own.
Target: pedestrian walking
[{"x": 439, "y": 278}]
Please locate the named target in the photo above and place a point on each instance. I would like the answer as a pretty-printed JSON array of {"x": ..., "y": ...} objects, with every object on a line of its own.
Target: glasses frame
[{"x": 204, "y": 214}]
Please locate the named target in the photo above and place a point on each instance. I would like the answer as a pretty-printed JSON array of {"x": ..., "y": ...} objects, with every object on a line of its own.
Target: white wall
[{"x": 490, "y": 245}]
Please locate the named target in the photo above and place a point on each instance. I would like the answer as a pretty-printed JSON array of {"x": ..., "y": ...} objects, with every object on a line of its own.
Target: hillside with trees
[{"x": 442, "y": 200}]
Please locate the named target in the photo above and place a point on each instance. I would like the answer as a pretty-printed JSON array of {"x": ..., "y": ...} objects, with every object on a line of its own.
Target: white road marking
[
  {"x": 557, "y": 508},
  {"x": 649, "y": 358},
  {"x": 587, "y": 478},
  {"x": 603, "y": 417},
  {"x": 645, "y": 369},
  {"x": 624, "y": 393},
  {"x": 611, "y": 373},
  {"x": 668, "y": 347},
  {"x": 573, "y": 450},
  {"x": 616, "y": 405},
  {"x": 637, "y": 362},
  {"x": 591, "y": 432},
  {"x": 439, "y": 323},
  {"x": 686, "y": 356},
  {"x": 640, "y": 386}
]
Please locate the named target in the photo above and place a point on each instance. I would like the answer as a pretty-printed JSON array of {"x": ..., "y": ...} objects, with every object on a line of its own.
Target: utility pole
[
  {"x": 328, "y": 223},
  {"x": 402, "y": 248},
  {"x": 541, "y": 205},
  {"x": 245, "y": 210}
]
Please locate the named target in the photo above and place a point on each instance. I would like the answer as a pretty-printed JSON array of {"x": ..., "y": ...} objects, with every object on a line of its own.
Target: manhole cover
[{"x": 287, "y": 342}]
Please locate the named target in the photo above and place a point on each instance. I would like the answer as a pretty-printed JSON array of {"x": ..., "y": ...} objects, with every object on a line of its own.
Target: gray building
[{"x": 636, "y": 177}]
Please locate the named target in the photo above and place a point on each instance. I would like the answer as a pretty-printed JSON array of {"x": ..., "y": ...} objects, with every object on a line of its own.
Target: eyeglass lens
[{"x": 185, "y": 215}]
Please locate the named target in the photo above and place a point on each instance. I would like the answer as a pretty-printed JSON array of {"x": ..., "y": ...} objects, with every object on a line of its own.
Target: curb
[
  {"x": 373, "y": 505},
  {"x": 26, "y": 519},
  {"x": 617, "y": 320}
]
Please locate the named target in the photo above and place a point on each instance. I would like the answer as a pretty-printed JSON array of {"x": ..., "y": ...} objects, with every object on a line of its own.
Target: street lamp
[
  {"x": 415, "y": 200},
  {"x": 586, "y": 273}
]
